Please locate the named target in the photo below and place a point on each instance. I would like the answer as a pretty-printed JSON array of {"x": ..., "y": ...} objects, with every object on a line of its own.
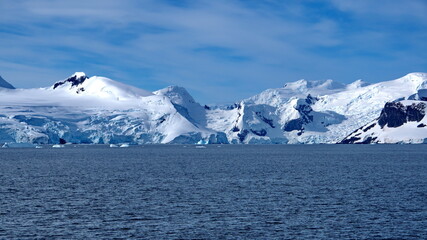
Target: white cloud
[{"x": 274, "y": 40}]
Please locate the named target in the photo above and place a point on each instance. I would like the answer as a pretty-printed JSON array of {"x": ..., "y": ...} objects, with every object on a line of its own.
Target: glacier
[{"x": 98, "y": 110}]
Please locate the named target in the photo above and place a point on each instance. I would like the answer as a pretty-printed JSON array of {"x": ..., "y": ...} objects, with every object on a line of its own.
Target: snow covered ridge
[
  {"x": 79, "y": 83},
  {"x": 312, "y": 111},
  {"x": 82, "y": 109},
  {"x": 399, "y": 122}
]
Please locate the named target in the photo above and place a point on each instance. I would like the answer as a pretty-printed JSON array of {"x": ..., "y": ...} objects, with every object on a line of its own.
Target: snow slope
[
  {"x": 101, "y": 87},
  {"x": 399, "y": 122},
  {"x": 184, "y": 102},
  {"x": 311, "y": 111},
  {"x": 80, "y": 109}
]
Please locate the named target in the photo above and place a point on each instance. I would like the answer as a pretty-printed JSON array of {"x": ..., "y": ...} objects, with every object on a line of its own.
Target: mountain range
[{"x": 83, "y": 109}]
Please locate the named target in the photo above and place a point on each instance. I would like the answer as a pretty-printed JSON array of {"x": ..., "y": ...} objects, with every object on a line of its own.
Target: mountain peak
[
  {"x": 174, "y": 88},
  {"x": 417, "y": 74},
  {"x": 415, "y": 77},
  {"x": 79, "y": 75},
  {"x": 302, "y": 83},
  {"x": 357, "y": 84},
  {"x": 177, "y": 94},
  {"x": 5, "y": 84},
  {"x": 75, "y": 80}
]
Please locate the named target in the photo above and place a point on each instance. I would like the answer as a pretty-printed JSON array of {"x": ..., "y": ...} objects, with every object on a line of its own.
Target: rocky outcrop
[
  {"x": 304, "y": 109},
  {"x": 395, "y": 114},
  {"x": 395, "y": 117},
  {"x": 74, "y": 80},
  {"x": 310, "y": 120}
]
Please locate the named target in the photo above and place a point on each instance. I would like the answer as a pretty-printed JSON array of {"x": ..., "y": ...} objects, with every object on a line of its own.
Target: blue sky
[{"x": 220, "y": 50}]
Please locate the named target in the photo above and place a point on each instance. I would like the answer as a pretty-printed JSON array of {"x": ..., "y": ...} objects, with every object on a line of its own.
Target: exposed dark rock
[
  {"x": 235, "y": 129},
  {"x": 207, "y": 107},
  {"x": 352, "y": 137},
  {"x": 80, "y": 90},
  {"x": 235, "y": 105},
  {"x": 352, "y": 140},
  {"x": 349, "y": 140},
  {"x": 261, "y": 132},
  {"x": 392, "y": 115},
  {"x": 264, "y": 119},
  {"x": 304, "y": 110},
  {"x": 294, "y": 124},
  {"x": 416, "y": 112},
  {"x": 74, "y": 80},
  {"x": 369, "y": 127},
  {"x": 242, "y": 135},
  {"x": 369, "y": 140},
  {"x": 311, "y": 100},
  {"x": 162, "y": 119},
  {"x": 395, "y": 114}
]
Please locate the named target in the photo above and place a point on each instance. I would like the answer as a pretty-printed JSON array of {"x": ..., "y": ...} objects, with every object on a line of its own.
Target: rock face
[
  {"x": 402, "y": 121},
  {"x": 304, "y": 109},
  {"x": 395, "y": 114},
  {"x": 75, "y": 80}
]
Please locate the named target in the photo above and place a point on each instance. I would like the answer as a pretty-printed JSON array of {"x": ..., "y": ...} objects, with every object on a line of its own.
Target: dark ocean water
[{"x": 226, "y": 192}]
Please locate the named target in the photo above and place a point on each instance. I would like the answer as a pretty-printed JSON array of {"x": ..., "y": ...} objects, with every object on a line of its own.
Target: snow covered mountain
[
  {"x": 310, "y": 112},
  {"x": 101, "y": 87},
  {"x": 82, "y": 109},
  {"x": 399, "y": 122},
  {"x": 5, "y": 84},
  {"x": 185, "y": 104}
]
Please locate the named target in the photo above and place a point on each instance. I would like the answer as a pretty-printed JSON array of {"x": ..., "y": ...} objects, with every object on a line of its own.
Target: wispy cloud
[
  {"x": 391, "y": 10},
  {"x": 240, "y": 47}
]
